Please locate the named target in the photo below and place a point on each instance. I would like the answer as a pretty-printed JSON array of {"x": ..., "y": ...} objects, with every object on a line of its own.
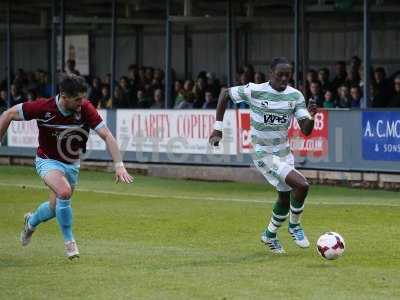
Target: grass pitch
[{"x": 174, "y": 239}]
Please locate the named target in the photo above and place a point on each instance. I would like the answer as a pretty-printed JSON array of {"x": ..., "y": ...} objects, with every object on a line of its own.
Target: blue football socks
[
  {"x": 64, "y": 218},
  {"x": 42, "y": 214}
]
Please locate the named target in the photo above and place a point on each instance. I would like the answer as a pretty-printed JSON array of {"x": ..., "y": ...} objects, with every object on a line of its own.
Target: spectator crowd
[{"x": 143, "y": 87}]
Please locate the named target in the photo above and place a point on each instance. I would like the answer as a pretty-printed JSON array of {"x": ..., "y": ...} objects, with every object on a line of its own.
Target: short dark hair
[
  {"x": 326, "y": 70},
  {"x": 278, "y": 60},
  {"x": 311, "y": 71},
  {"x": 380, "y": 70},
  {"x": 316, "y": 82},
  {"x": 356, "y": 59},
  {"x": 132, "y": 67},
  {"x": 72, "y": 85}
]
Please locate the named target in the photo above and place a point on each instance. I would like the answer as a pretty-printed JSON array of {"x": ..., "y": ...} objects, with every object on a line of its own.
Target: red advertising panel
[
  {"x": 244, "y": 139},
  {"x": 316, "y": 144}
]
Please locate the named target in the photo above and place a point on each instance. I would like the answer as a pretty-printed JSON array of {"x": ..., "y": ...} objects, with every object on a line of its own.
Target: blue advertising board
[{"x": 381, "y": 135}]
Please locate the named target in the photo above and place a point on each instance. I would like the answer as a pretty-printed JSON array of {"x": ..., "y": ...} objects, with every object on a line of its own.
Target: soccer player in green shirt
[{"x": 272, "y": 105}]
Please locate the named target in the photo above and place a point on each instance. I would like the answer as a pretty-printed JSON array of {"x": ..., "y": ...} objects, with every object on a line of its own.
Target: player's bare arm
[
  {"x": 223, "y": 100},
  {"x": 6, "y": 118},
  {"x": 121, "y": 175},
  {"x": 307, "y": 125}
]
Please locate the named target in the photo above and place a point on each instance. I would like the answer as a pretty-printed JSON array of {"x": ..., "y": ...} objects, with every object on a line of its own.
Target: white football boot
[
  {"x": 71, "y": 249},
  {"x": 27, "y": 231},
  {"x": 299, "y": 236},
  {"x": 273, "y": 244}
]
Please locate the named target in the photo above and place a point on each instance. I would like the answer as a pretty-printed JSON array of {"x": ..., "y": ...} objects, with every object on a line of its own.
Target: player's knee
[
  {"x": 304, "y": 186},
  {"x": 65, "y": 192}
]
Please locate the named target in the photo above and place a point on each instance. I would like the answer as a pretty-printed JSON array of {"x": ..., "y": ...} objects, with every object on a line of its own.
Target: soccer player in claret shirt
[
  {"x": 64, "y": 122},
  {"x": 272, "y": 105}
]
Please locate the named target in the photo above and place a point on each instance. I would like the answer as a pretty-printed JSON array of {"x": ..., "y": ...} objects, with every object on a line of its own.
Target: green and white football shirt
[{"x": 270, "y": 114}]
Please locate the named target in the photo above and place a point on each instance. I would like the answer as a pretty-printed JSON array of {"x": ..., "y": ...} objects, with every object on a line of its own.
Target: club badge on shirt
[{"x": 77, "y": 116}]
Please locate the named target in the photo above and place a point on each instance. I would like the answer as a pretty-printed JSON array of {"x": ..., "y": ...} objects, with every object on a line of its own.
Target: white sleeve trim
[
  {"x": 234, "y": 95},
  {"x": 230, "y": 94},
  {"x": 302, "y": 113},
  {"x": 101, "y": 125},
  {"x": 20, "y": 111}
]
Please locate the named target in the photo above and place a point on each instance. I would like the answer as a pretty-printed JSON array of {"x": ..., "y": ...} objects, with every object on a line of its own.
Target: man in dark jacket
[{"x": 395, "y": 99}]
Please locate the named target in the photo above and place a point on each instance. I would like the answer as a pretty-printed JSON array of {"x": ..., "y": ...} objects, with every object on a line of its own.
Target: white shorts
[{"x": 275, "y": 169}]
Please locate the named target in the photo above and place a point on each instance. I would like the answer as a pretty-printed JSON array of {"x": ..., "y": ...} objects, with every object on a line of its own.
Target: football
[{"x": 330, "y": 245}]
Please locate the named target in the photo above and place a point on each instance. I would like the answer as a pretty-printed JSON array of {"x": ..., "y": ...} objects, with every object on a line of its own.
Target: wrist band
[
  {"x": 119, "y": 164},
  {"x": 218, "y": 125}
]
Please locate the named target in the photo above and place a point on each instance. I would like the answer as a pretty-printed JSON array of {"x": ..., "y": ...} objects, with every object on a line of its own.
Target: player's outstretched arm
[
  {"x": 223, "y": 100},
  {"x": 6, "y": 117},
  {"x": 121, "y": 175},
  {"x": 307, "y": 125}
]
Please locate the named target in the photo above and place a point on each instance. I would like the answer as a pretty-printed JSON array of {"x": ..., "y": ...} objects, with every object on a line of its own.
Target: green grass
[{"x": 173, "y": 239}]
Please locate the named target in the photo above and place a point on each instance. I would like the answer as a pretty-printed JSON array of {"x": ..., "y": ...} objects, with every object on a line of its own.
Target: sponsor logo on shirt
[
  {"x": 266, "y": 104},
  {"x": 275, "y": 119},
  {"x": 47, "y": 118},
  {"x": 260, "y": 164}
]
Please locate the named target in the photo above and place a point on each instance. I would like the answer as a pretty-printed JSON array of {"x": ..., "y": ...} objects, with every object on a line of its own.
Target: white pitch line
[{"x": 158, "y": 196}]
